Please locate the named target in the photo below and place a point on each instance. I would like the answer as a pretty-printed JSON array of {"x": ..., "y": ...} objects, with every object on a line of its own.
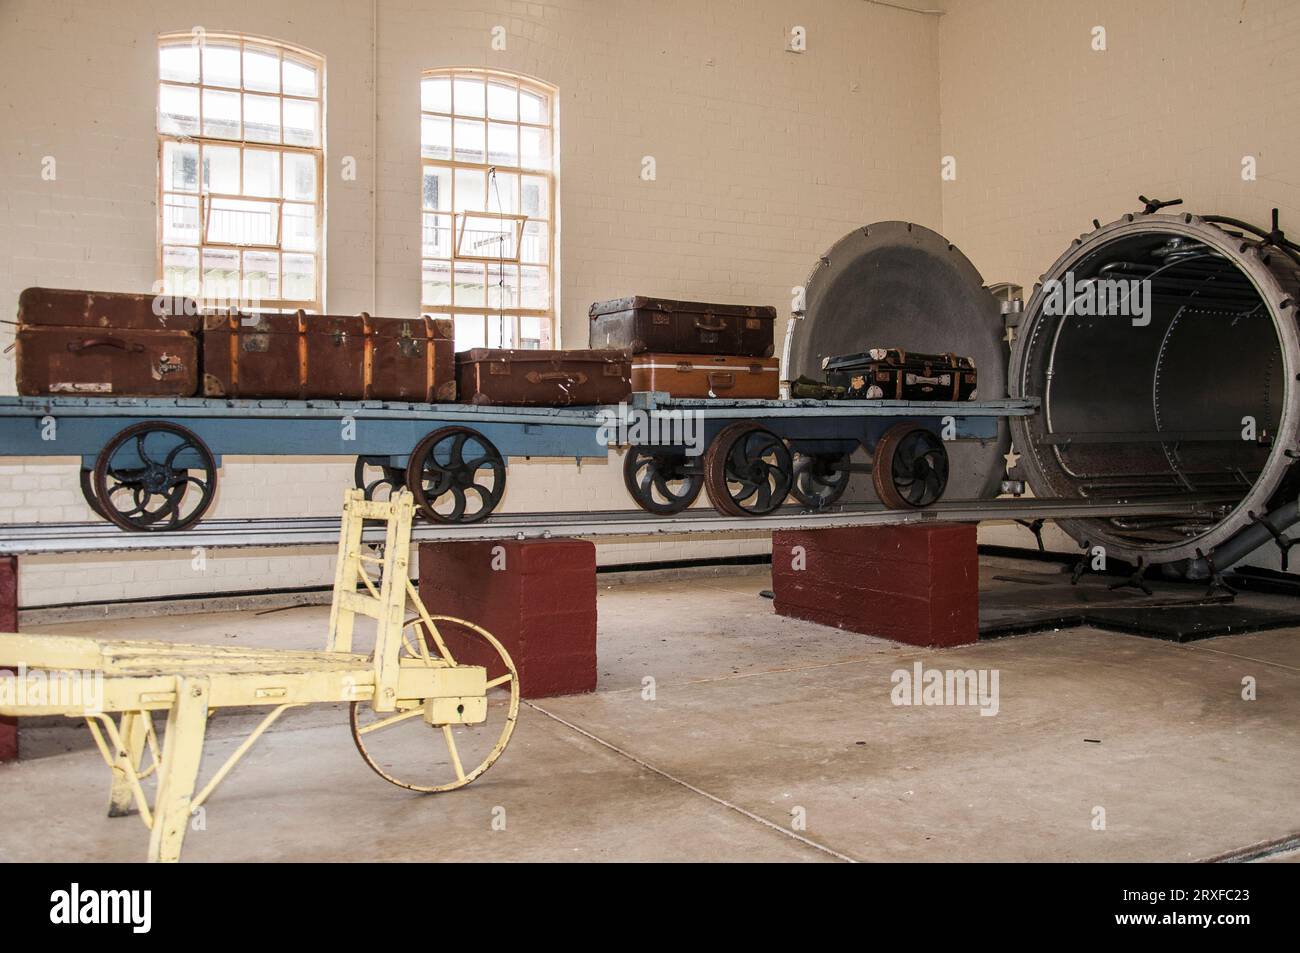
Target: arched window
[
  {"x": 488, "y": 205},
  {"x": 240, "y": 191}
]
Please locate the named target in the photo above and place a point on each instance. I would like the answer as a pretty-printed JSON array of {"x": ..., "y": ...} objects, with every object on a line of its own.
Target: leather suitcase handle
[
  {"x": 106, "y": 341},
  {"x": 555, "y": 377},
  {"x": 721, "y": 380},
  {"x": 703, "y": 324}
]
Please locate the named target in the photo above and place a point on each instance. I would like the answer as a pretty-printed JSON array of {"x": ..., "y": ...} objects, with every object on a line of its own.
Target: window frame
[
  {"x": 284, "y": 52},
  {"x": 550, "y": 125}
]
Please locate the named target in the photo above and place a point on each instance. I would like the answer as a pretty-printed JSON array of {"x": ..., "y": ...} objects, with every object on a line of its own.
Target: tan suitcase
[{"x": 706, "y": 375}]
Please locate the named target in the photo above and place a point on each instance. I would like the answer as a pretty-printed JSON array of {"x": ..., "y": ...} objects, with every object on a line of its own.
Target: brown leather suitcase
[
  {"x": 706, "y": 375},
  {"x": 682, "y": 327},
  {"x": 895, "y": 374},
  {"x": 108, "y": 343},
  {"x": 410, "y": 360},
  {"x": 526, "y": 378},
  {"x": 294, "y": 356}
]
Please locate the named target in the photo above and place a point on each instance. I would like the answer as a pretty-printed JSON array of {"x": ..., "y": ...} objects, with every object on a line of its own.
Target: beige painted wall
[
  {"x": 1049, "y": 134},
  {"x": 764, "y": 158}
]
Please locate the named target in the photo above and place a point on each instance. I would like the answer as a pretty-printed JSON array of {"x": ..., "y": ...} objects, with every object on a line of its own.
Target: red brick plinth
[
  {"x": 538, "y": 597},
  {"x": 917, "y": 584},
  {"x": 8, "y": 623}
]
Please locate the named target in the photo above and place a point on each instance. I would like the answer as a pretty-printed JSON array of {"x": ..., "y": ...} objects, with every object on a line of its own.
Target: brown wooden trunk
[
  {"x": 706, "y": 375},
  {"x": 411, "y": 360},
  {"x": 292, "y": 356},
  {"x": 682, "y": 327},
  {"x": 543, "y": 378}
]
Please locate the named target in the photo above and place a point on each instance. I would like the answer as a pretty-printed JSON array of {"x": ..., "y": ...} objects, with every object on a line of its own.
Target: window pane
[
  {"x": 469, "y": 190},
  {"x": 221, "y": 169},
  {"x": 503, "y": 101},
  {"x": 437, "y": 189},
  {"x": 180, "y": 219},
  {"x": 221, "y": 114},
  {"x": 534, "y": 107},
  {"x": 534, "y": 333},
  {"x": 470, "y": 96},
  {"x": 220, "y": 274},
  {"x": 299, "y": 277},
  {"x": 261, "y": 71},
  {"x": 503, "y": 144},
  {"x": 437, "y": 283},
  {"x": 469, "y": 332},
  {"x": 502, "y": 190},
  {"x": 299, "y": 78},
  {"x": 299, "y": 227},
  {"x": 435, "y": 137},
  {"x": 536, "y": 197},
  {"x": 300, "y": 125},
  {"x": 435, "y": 95},
  {"x": 180, "y": 167},
  {"x": 241, "y": 222},
  {"x": 436, "y": 236},
  {"x": 471, "y": 286},
  {"x": 536, "y": 292},
  {"x": 503, "y": 286},
  {"x": 178, "y": 110},
  {"x": 469, "y": 140},
  {"x": 262, "y": 118},
  {"x": 536, "y": 245},
  {"x": 179, "y": 62},
  {"x": 299, "y": 176},
  {"x": 220, "y": 64},
  {"x": 261, "y": 275},
  {"x": 501, "y": 330},
  {"x": 181, "y": 271},
  {"x": 535, "y": 147},
  {"x": 262, "y": 173}
]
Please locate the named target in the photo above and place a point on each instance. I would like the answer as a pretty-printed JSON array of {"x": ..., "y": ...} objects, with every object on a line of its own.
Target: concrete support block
[
  {"x": 538, "y": 597},
  {"x": 917, "y": 584}
]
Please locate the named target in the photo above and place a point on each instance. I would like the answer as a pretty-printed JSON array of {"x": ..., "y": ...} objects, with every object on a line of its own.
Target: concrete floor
[{"x": 754, "y": 717}]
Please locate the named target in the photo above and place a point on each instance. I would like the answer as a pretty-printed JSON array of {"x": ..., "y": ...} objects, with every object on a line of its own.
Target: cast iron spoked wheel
[
  {"x": 456, "y": 476},
  {"x": 820, "y": 478},
  {"x": 910, "y": 467},
  {"x": 660, "y": 479},
  {"x": 396, "y": 744},
  {"x": 88, "y": 492},
  {"x": 378, "y": 482},
  {"x": 153, "y": 477},
  {"x": 747, "y": 470}
]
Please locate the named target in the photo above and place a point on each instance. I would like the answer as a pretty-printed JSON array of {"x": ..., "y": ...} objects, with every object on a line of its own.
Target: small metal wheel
[
  {"x": 377, "y": 481},
  {"x": 661, "y": 479},
  {"x": 910, "y": 467},
  {"x": 395, "y": 744},
  {"x": 456, "y": 476},
  {"x": 154, "y": 476},
  {"x": 88, "y": 492},
  {"x": 747, "y": 470},
  {"x": 820, "y": 478}
]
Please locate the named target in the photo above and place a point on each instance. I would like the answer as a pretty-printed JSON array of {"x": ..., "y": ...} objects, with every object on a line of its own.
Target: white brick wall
[{"x": 764, "y": 158}]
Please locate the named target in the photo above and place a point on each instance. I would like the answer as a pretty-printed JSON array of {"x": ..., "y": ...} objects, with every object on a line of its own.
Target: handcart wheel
[
  {"x": 910, "y": 467},
  {"x": 661, "y": 479},
  {"x": 747, "y": 470},
  {"x": 88, "y": 492},
  {"x": 820, "y": 478},
  {"x": 377, "y": 481},
  {"x": 153, "y": 477},
  {"x": 394, "y": 744},
  {"x": 456, "y": 476}
]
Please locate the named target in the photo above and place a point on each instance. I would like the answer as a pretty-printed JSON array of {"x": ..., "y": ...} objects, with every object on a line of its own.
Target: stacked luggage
[
  {"x": 690, "y": 348},
  {"x": 889, "y": 373}
]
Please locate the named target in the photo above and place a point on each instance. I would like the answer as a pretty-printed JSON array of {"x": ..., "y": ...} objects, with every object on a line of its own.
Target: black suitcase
[
  {"x": 640, "y": 324},
  {"x": 895, "y": 374}
]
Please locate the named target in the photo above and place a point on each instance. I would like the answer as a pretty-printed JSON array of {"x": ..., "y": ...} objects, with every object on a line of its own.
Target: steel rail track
[{"x": 25, "y": 539}]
